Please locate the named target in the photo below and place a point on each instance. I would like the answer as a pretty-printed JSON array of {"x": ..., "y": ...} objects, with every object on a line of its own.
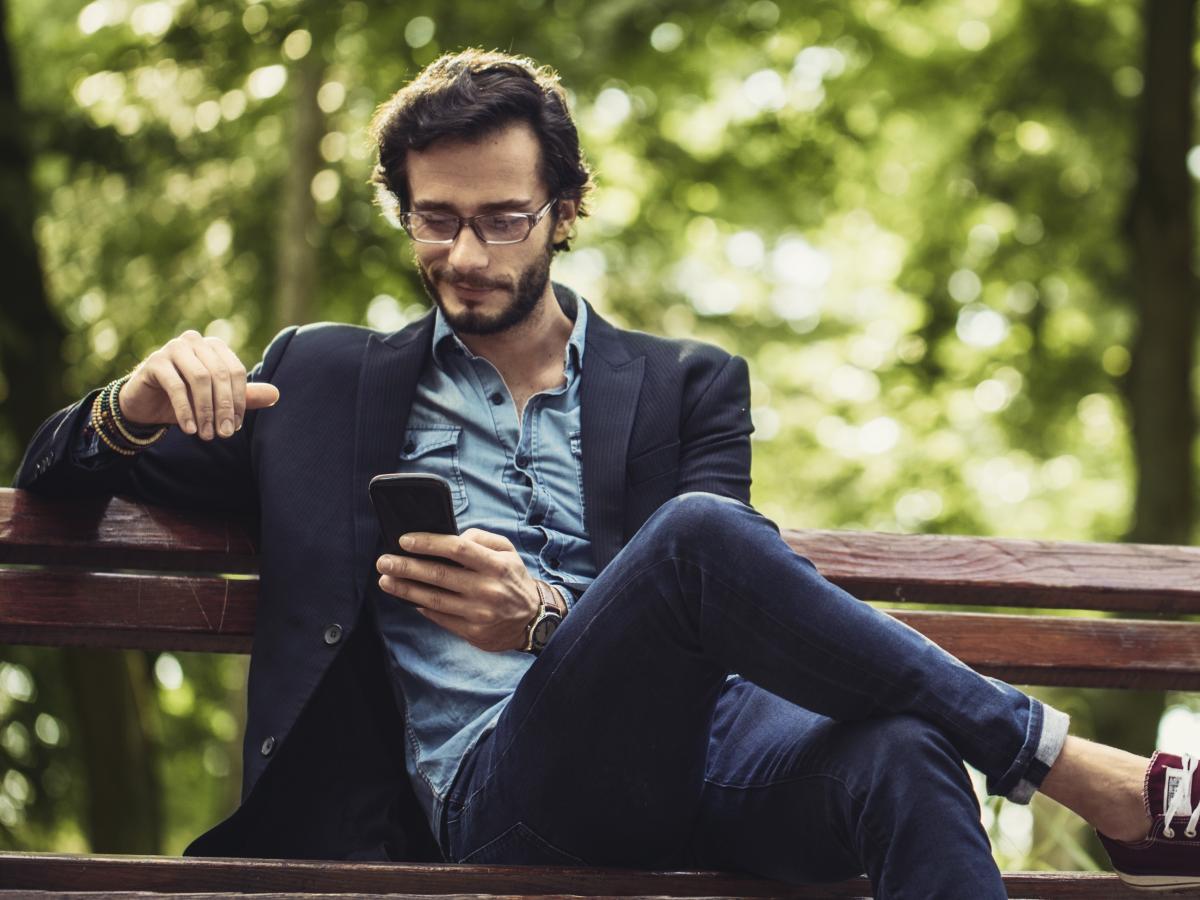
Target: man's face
[{"x": 485, "y": 288}]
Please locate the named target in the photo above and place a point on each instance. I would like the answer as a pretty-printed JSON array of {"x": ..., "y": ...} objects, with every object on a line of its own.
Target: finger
[
  {"x": 237, "y": 378},
  {"x": 467, "y": 553},
  {"x": 489, "y": 539},
  {"x": 221, "y": 381},
  {"x": 438, "y": 574},
  {"x": 260, "y": 395},
  {"x": 425, "y": 596},
  {"x": 170, "y": 382},
  {"x": 199, "y": 384}
]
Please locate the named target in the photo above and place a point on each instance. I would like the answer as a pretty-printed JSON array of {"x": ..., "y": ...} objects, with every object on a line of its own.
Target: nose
[{"x": 468, "y": 252}]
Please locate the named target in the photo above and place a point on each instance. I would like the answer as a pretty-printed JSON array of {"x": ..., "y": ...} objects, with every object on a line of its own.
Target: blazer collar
[
  {"x": 387, "y": 383},
  {"x": 610, "y": 391}
]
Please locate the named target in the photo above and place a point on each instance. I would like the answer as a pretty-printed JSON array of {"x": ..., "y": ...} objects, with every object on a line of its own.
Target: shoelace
[{"x": 1189, "y": 766}]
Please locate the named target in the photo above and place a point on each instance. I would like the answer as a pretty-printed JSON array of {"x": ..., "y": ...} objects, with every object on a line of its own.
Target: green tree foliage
[{"x": 907, "y": 216}]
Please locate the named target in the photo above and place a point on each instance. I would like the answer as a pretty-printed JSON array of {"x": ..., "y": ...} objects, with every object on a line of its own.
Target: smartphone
[{"x": 407, "y": 502}]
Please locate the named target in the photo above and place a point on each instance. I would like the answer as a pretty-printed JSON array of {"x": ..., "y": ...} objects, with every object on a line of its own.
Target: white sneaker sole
[{"x": 1161, "y": 882}]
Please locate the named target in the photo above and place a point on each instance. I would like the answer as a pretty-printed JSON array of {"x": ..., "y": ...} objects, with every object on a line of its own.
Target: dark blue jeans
[{"x": 837, "y": 748}]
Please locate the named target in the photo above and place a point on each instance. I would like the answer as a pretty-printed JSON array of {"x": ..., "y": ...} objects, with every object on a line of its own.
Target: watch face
[{"x": 543, "y": 629}]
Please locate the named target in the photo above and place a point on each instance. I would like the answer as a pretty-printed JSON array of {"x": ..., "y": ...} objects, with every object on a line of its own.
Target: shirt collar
[{"x": 445, "y": 340}]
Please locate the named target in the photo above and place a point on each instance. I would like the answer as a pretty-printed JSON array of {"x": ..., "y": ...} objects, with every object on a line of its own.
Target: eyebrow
[{"x": 495, "y": 206}]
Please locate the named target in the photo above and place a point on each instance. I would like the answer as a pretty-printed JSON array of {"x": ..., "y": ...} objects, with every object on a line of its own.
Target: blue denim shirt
[{"x": 523, "y": 480}]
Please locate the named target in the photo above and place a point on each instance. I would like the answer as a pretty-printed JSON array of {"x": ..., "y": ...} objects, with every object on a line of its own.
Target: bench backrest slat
[
  {"x": 65, "y": 579},
  {"x": 113, "y": 533},
  {"x": 146, "y": 612},
  {"x": 934, "y": 568}
]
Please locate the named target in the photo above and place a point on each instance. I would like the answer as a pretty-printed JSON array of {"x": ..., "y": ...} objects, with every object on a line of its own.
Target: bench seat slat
[{"x": 169, "y": 875}]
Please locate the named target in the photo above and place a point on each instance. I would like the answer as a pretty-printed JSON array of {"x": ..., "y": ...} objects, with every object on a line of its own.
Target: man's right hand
[{"x": 195, "y": 382}]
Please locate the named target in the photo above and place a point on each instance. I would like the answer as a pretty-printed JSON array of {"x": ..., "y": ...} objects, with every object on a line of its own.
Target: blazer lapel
[
  {"x": 612, "y": 383},
  {"x": 387, "y": 384}
]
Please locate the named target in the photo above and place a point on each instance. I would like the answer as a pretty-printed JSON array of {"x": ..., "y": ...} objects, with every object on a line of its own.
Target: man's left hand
[{"x": 488, "y": 602}]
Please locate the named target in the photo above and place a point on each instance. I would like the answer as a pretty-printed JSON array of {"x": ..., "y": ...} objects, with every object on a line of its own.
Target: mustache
[{"x": 450, "y": 277}]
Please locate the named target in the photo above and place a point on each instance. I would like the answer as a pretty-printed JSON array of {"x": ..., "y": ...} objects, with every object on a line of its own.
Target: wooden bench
[{"x": 118, "y": 574}]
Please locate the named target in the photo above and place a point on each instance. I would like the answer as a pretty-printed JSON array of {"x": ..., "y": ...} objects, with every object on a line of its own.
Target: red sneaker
[{"x": 1169, "y": 856}]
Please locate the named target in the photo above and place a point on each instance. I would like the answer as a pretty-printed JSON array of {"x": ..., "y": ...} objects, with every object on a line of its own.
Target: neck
[{"x": 521, "y": 353}]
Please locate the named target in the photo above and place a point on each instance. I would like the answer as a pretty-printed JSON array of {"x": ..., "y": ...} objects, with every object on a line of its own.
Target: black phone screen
[{"x": 412, "y": 502}]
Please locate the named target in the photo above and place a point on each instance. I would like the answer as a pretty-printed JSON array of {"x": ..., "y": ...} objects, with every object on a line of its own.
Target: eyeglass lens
[{"x": 499, "y": 228}]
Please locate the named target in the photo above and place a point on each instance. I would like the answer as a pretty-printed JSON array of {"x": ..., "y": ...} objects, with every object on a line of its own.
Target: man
[{"x": 560, "y": 685}]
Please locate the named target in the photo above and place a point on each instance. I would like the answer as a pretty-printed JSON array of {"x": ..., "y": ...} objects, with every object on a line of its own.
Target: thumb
[{"x": 260, "y": 395}]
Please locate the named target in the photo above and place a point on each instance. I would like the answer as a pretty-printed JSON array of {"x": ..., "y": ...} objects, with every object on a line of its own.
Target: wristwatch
[{"x": 544, "y": 623}]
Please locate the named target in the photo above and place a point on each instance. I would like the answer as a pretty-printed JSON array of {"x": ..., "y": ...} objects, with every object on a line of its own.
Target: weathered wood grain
[
  {"x": 926, "y": 568},
  {"x": 148, "y": 612},
  {"x": 1060, "y": 650},
  {"x": 207, "y": 613},
  {"x": 169, "y": 876},
  {"x": 113, "y": 533},
  {"x": 116, "y": 533}
]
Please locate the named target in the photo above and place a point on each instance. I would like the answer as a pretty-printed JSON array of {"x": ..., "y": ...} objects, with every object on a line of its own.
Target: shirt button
[
  {"x": 333, "y": 634},
  {"x": 523, "y": 461},
  {"x": 496, "y": 399},
  {"x": 268, "y": 745},
  {"x": 554, "y": 563}
]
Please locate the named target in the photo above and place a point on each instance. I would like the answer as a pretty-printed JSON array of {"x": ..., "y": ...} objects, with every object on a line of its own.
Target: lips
[{"x": 472, "y": 292}]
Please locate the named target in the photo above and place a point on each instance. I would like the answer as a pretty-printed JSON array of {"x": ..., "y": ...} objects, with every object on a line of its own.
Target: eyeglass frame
[{"x": 533, "y": 218}]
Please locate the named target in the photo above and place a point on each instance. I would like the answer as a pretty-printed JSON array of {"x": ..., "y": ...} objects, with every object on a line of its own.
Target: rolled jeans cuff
[{"x": 1055, "y": 724}]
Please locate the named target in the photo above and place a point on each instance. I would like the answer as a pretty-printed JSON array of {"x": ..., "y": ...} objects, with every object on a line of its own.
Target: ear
[{"x": 565, "y": 221}]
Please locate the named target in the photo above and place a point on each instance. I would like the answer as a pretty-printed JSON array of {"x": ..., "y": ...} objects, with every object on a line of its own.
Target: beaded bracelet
[
  {"x": 111, "y": 426},
  {"x": 114, "y": 407},
  {"x": 97, "y": 424}
]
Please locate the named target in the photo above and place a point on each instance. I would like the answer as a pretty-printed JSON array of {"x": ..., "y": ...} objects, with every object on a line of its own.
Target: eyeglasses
[{"x": 491, "y": 228}]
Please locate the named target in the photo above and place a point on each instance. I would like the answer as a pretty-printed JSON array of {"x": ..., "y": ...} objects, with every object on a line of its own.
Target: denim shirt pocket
[{"x": 434, "y": 450}]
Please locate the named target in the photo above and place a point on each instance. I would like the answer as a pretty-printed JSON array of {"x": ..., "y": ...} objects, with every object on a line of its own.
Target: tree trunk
[
  {"x": 296, "y": 277},
  {"x": 122, "y": 790},
  {"x": 1161, "y": 235},
  {"x": 1159, "y": 387},
  {"x": 31, "y": 335},
  {"x": 109, "y": 688}
]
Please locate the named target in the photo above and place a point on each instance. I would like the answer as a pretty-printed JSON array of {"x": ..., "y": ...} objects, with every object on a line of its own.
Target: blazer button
[
  {"x": 333, "y": 634},
  {"x": 268, "y": 745}
]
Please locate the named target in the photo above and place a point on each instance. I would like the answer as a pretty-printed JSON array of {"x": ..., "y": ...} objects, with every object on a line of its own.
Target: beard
[{"x": 524, "y": 296}]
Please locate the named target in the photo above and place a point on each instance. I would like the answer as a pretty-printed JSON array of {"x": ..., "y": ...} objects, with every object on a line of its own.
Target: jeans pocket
[{"x": 520, "y": 845}]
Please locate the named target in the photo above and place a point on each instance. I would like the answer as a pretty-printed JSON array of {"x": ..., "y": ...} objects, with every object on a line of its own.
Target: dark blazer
[{"x": 323, "y": 769}]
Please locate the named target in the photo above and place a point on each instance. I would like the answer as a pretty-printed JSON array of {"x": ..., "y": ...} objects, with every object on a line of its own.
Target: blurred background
[{"x": 954, "y": 239}]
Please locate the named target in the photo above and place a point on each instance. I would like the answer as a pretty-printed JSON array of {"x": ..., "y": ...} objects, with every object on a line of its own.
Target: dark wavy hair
[{"x": 467, "y": 96}]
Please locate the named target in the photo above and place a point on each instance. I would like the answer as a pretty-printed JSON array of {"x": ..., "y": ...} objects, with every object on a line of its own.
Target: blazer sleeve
[
  {"x": 714, "y": 453},
  {"x": 180, "y": 470}
]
